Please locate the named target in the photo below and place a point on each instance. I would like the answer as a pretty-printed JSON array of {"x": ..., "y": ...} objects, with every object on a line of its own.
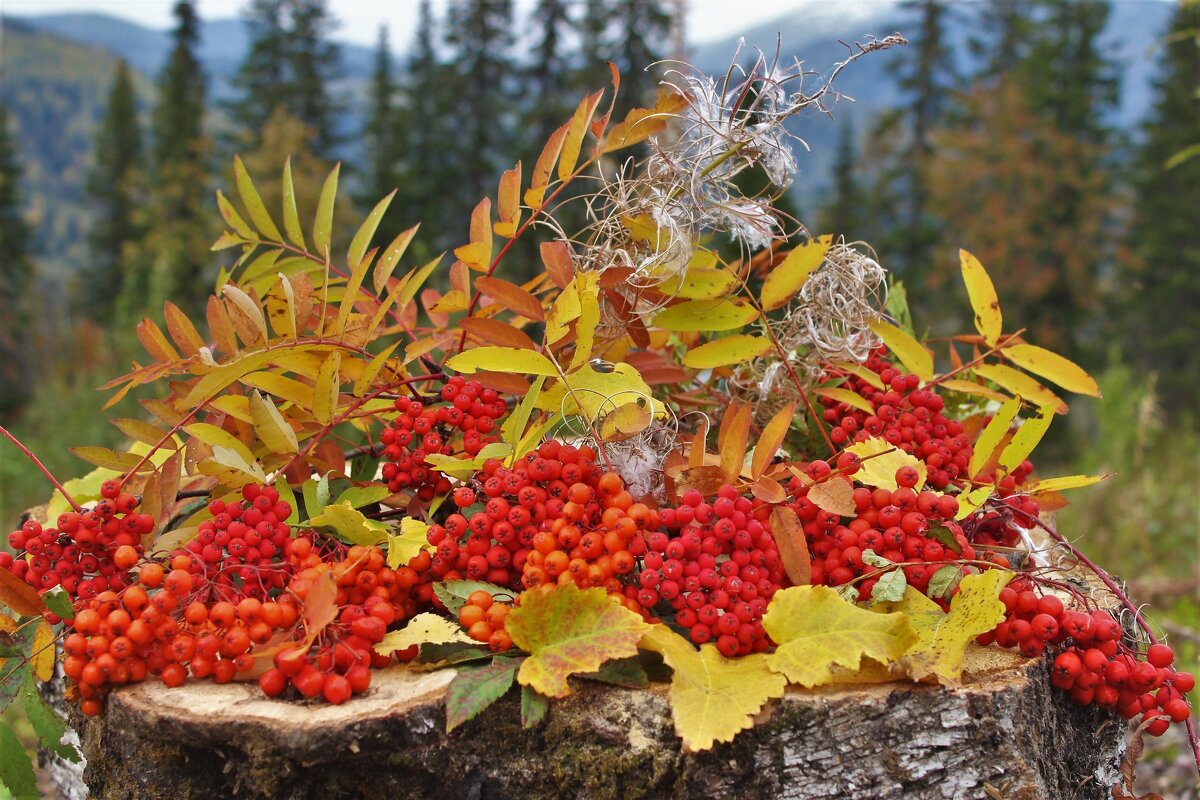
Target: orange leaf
[
  {"x": 512, "y": 297},
  {"x": 542, "y": 168},
  {"x": 642, "y": 123},
  {"x": 706, "y": 479},
  {"x": 772, "y": 437},
  {"x": 320, "y": 606},
  {"x": 560, "y": 266},
  {"x": 19, "y": 595},
  {"x": 768, "y": 490},
  {"x": 491, "y": 331},
  {"x": 835, "y": 495},
  {"x": 182, "y": 330},
  {"x": 508, "y": 202},
  {"x": 478, "y": 254},
  {"x": 733, "y": 449},
  {"x": 577, "y": 128},
  {"x": 503, "y": 382},
  {"x": 793, "y": 547},
  {"x": 156, "y": 344},
  {"x": 696, "y": 452}
]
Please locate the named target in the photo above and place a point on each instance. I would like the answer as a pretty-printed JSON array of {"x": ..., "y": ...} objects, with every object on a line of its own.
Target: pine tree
[
  {"x": 1159, "y": 294},
  {"x": 115, "y": 187},
  {"x": 176, "y": 254},
  {"x": 16, "y": 282},
  {"x": 384, "y": 137},
  {"x": 845, "y": 214},
  {"x": 644, "y": 30},
  {"x": 548, "y": 81},
  {"x": 289, "y": 65}
]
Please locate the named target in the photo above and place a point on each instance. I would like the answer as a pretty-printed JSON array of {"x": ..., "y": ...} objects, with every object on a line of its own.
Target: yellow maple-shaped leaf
[
  {"x": 349, "y": 524},
  {"x": 712, "y": 697},
  {"x": 881, "y": 459},
  {"x": 943, "y": 638},
  {"x": 568, "y": 631},
  {"x": 427, "y": 628},
  {"x": 404, "y": 546},
  {"x": 817, "y": 629}
]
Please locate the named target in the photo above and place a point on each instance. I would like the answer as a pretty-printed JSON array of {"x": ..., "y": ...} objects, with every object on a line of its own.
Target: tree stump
[{"x": 1005, "y": 734}]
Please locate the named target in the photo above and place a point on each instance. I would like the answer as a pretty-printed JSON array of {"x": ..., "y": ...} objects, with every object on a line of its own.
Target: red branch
[{"x": 37, "y": 463}]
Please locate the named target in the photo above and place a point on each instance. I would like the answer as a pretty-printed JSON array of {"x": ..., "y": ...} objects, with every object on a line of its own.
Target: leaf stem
[{"x": 42, "y": 467}]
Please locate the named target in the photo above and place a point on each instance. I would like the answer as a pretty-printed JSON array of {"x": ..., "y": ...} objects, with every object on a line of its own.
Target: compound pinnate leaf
[
  {"x": 712, "y": 698},
  {"x": 816, "y": 629},
  {"x": 568, "y": 631},
  {"x": 475, "y": 688}
]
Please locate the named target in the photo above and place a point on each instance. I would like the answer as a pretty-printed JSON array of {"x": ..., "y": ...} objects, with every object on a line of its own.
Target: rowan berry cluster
[
  {"x": 85, "y": 553},
  {"x": 421, "y": 430},
  {"x": 717, "y": 566},
  {"x": 554, "y": 517},
  {"x": 483, "y": 619}
]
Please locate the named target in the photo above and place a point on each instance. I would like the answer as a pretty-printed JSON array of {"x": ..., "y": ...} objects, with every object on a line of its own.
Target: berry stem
[{"x": 38, "y": 463}]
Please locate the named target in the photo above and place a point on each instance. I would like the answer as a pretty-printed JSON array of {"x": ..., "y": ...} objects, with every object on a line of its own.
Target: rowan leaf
[
  {"x": 835, "y": 495},
  {"x": 16, "y": 770},
  {"x": 969, "y": 388},
  {"x": 58, "y": 602},
  {"x": 405, "y": 546},
  {"x": 271, "y": 427},
  {"x": 625, "y": 422},
  {"x": 230, "y": 469},
  {"x": 790, "y": 275},
  {"x": 880, "y": 460},
  {"x": 104, "y": 457},
  {"x": 181, "y": 329},
  {"x": 941, "y": 639},
  {"x": 792, "y": 545},
  {"x": 323, "y": 222},
  {"x": 816, "y": 629},
  {"x": 391, "y": 257},
  {"x": 512, "y": 297},
  {"x": 253, "y": 202},
  {"x": 156, "y": 344},
  {"x": 1021, "y": 385},
  {"x": 705, "y": 283},
  {"x": 366, "y": 232},
  {"x": 474, "y": 688},
  {"x": 771, "y": 439},
  {"x": 1052, "y": 367},
  {"x": 1066, "y": 482},
  {"x": 540, "y": 177},
  {"x": 219, "y": 437},
  {"x": 19, "y": 595},
  {"x": 911, "y": 353},
  {"x": 291, "y": 216},
  {"x": 502, "y": 359},
  {"x": 642, "y": 123},
  {"x": 350, "y": 525},
  {"x": 969, "y": 502},
  {"x": 576, "y": 129},
  {"x": 248, "y": 307},
  {"x": 427, "y": 628},
  {"x": 712, "y": 698},
  {"x": 852, "y": 399},
  {"x": 990, "y": 438},
  {"x": 736, "y": 349},
  {"x": 706, "y": 315},
  {"x": 494, "y": 332},
  {"x": 593, "y": 392},
  {"x": 41, "y": 653},
  {"x": 568, "y": 631},
  {"x": 47, "y": 724},
  {"x": 1026, "y": 438},
  {"x": 320, "y": 605},
  {"x": 326, "y": 389},
  {"x": 234, "y": 219},
  {"x": 508, "y": 203},
  {"x": 988, "y": 320},
  {"x": 558, "y": 261},
  {"x": 478, "y": 253},
  {"x": 372, "y": 369}
]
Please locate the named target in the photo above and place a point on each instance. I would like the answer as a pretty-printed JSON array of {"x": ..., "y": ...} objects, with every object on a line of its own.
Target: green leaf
[
  {"x": 514, "y": 425},
  {"x": 454, "y": 594},
  {"x": 323, "y": 224},
  {"x": 890, "y": 587},
  {"x": 16, "y": 770},
  {"x": 316, "y": 495},
  {"x": 475, "y": 688},
  {"x": 59, "y": 602},
  {"x": 359, "y": 496},
  {"x": 286, "y": 495},
  {"x": 349, "y": 525},
  {"x": 46, "y": 722},
  {"x": 944, "y": 581},
  {"x": 946, "y": 537},
  {"x": 291, "y": 216},
  {"x": 454, "y": 653},
  {"x": 627, "y": 672},
  {"x": 253, "y": 202},
  {"x": 362, "y": 238},
  {"x": 234, "y": 219},
  {"x": 533, "y": 707}
]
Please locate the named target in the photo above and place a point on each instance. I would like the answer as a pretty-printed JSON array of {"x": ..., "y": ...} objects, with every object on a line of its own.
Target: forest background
[{"x": 1058, "y": 140}]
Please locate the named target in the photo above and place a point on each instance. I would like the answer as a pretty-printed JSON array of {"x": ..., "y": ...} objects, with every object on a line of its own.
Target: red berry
[{"x": 1160, "y": 655}]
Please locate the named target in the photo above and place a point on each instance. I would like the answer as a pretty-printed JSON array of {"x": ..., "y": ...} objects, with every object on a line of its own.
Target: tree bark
[{"x": 1006, "y": 734}]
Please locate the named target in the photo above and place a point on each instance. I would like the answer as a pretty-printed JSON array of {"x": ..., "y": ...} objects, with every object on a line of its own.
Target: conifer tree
[
  {"x": 548, "y": 85},
  {"x": 846, "y": 211},
  {"x": 15, "y": 282},
  {"x": 384, "y": 136},
  {"x": 175, "y": 256},
  {"x": 290, "y": 64},
  {"x": 644, "y": 28},
  {"x": 1159, "y": 294},
  {"x": 115, "y": 187}
]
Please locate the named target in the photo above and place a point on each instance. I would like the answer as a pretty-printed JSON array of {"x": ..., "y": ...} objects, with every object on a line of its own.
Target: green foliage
[
  {"x": 846, "y": 213},
  {"x": 16, "y": 281}
]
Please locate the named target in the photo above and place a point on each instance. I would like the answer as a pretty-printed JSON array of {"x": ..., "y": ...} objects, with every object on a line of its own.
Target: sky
[{"x": 708, "y": 20}]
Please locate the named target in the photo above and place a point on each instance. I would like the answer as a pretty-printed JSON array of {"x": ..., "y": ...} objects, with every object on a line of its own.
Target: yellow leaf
[
  {"x": 1026, "y": 438},
  {"x": 253, "y": 202},
  {"x": 642, "y": 123},
  {"x": 326, "y": 389},
  {"x": 880, "y": 470},
  {"x": 508, "y": 202},
  {"x": 593, "y": 393},
  {"x": 230, "y": 469},
  {"x": 514, "y": 425},
  {"x": 372, "y": 370},
  {"x": 540, "y": 176},
  {"x": 233, "y": 219},
  {"x": 390, "y": 258},
  {"x": 576, "y": 130},
  {"x": 911, "y": 353},
  {"x": 450, "y": 302},
  {"x": 1052, "y": 367},
  {"x": 790, "y": 275},
  {"x": 736, "y": 349},
  {"x": 502, "y": 359},
  {"x": 986, "y": 305},
  {"x": 586, "y": 284},
  {"x": 247, "y": 306},
  {"x": 706, "y": 315},
  {"x": 704, "y": 283},
  {"x": 835, "y": 495},
  {"x": 991, "y": 436},
  {"x": 566, "y": 308},
  {"x": 852, "y": 399},
  {"x": 406, "y": 545},
  {"x": 967, "y": 387},
  {"x": 816, "y": 629},
  {"x": 350, "y": 525},
  {"x": 735, "y": 437},
  {"x": 41, "y": 653},
  {"x": 943, "y": 638},
  {"x": 1021, "y": 385},
  {"x": 860, "y": 371},
  {"x": 427, "y": 628},
  {"x": 362, "y": 237},
  {"x": 291, "y": 216},
  {"x": 772, "y": 437},
  {"x": 625, "y": 422},
  {"x": 712, "y": 698},
  {"x": 1066, "y": 482},
  {"x": 465, "y": 468},
  {"x": 323, "y": 223},
  {"x": 282, "y": 387},
  {"x": 271, "y": 427},
  {"x": 568, "y": 631}
]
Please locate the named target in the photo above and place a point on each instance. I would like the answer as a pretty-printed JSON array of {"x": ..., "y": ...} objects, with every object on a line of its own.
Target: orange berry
[
  {"x": 499, "y": 641},
  {"x": 222, "y": 614},
  {"x": 480, "y": 598},
  {"x": 151, "y": 575},
  {"x": 556, "y": 563},
  {"x": 481, "y": 631},
  {"x": 135, "y": 599},
  {"x": 469, "y": 614},
  {"x": 196, "y": 613},
  {"x": 610, "y": 483},
  {"x": 497, "y": 614},
  {"x": 91, "y": 708},
  {"x": 125, "y": 557},
  {"x": 174, "y": 675}
]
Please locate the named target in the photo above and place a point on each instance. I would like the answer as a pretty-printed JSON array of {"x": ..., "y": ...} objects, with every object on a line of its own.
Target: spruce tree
[
  {"x": 644, "y": 28},
  {"x": 1159, "y": 294},
  {"x": 548, "y": 85},
  {"x": 16, "y": 282},
  {"x": 384, "y": 139},
  {"x": 176, "y": 253},
  {"x": 116, "y": 190},
  {"x": 845, "y": 214},
  {"x": 290, "y": 64}
]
